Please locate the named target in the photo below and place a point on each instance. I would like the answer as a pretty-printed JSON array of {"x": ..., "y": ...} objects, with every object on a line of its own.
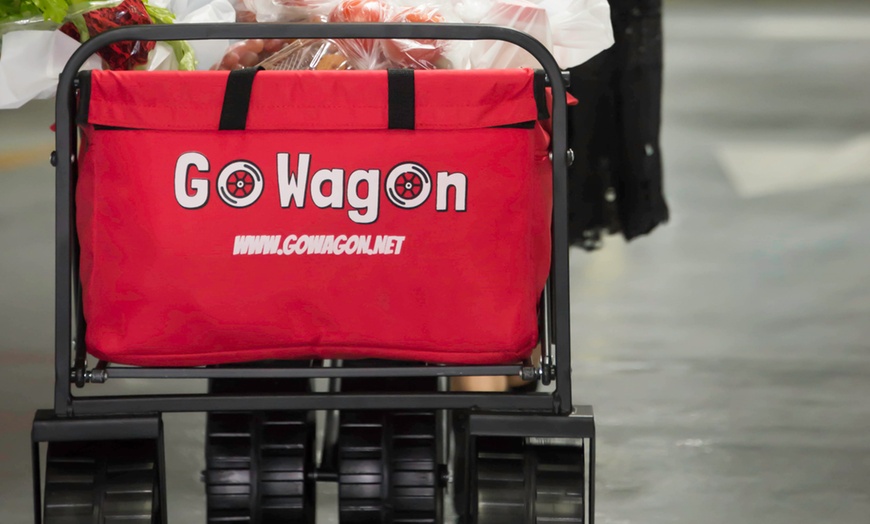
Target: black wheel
[
  {"x": 103, "y": 482},
  {"x": 259, "y": 465},
  {"x": 520, "y": 483},
  {"x": 559, "y": 484},
  {"x": 388, "y": 469}
]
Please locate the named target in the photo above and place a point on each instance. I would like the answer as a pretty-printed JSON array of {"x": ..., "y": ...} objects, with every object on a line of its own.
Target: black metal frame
[
  {"x": 68, "y": 284},
  {"x": 548, "y": 415}
]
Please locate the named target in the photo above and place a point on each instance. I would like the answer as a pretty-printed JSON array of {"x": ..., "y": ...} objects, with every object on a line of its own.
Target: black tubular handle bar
[{"x": 66, "y": 140}]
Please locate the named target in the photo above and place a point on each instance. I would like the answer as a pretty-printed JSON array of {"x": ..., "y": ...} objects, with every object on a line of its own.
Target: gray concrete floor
[{"x": 727, "y": 355}]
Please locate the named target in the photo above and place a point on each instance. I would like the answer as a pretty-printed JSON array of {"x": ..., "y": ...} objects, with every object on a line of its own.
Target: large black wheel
[
  {"x": 388, "y": 469},
  {"x": 258, "y": 468},
  {"x": 103, "y": 482},
  {"x": 259, "y": 465},
  {"x": 521, "y": 483}
]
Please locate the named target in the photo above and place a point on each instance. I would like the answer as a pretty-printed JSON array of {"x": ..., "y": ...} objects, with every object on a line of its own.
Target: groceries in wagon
[
  {"x": 39, "y": 36},
  {"x": 363, "y": 53},
  {"x": 84, "y": 20},
  {"x": 417, "y": 53},
  {"x": 248, "y": 53},
  {"x": 34, "y": 48},
  {"x": 319, "y": 55},
  {"x": 120, "y": 55},
  {"x": 573, "y": 30},
  {"x": 284, "y": 55},
  {"x": 349, "y": 53}
]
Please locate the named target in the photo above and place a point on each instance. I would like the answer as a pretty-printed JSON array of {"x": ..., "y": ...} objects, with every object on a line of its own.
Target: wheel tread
[
  {"x": 103, "y": 482},
  {"x": 512, "y": 475},
  {"x": 285, "y": 493},
  {"x": 411, "y": 455}
]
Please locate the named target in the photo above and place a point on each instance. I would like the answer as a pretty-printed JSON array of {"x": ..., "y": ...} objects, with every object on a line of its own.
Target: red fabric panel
[
  {"x": 162, "y": 285},
  {"x": 174, "y": 100}
]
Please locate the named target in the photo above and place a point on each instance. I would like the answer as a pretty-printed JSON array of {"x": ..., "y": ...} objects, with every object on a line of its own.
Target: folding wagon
[{"x": 382, "y": 231}]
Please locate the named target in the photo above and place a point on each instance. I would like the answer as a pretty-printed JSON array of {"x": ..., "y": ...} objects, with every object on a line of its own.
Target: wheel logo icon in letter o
[
  {"x": 408, "y": 185},
  {"x": 240, "y": 184}
]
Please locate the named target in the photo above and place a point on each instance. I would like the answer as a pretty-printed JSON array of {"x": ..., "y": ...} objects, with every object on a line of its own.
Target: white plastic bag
[
  {"x": 573, "y": 30},
  {"x": 522, "y": 15},
  {"x": 581, "y": 29},
  {"x": 206, "y": 52},
  {"x": 277, "y": 11},
  {"x": 471, "y": 11},
  {"x": 162, "y": 58},
  {"x": 31, "y": 63}
]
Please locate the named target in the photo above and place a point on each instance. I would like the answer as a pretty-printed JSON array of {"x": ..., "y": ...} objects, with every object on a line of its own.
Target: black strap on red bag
[
  {"x": 400, "y": 86},
  {"x": 240, "y": 83},
  {"x": 234, "y": 114}
]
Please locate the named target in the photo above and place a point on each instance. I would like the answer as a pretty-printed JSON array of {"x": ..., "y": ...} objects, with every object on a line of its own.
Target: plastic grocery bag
[
  {"x": 355, "y": 53},
  {"x": 573, "y": 30},
  {"x": 21, "y": 77},
  {"x": 417, "y": 53},
  {"x": 580, "y": 28},
  {"x": 277, "y": 10},
  {"x": 522, "y": 15},
  {"x": 397, "y": 52},
  {"x": 362, "y": 53},
  {"x": 206, "y": 52}
]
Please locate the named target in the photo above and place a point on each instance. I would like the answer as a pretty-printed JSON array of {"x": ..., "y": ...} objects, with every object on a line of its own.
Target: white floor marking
[{"x": 759, "y": 169}]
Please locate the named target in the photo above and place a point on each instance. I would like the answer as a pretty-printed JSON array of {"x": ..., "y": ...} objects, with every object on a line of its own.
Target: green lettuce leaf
[
  {"x": 13, "y": 10},
  {"x": 183, "y": 51}
]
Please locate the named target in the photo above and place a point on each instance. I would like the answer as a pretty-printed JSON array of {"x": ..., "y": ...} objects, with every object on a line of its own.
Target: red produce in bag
[
  {"x": 416, "y": 53},
  {"x": 363, "y": 53},
  {"x": 120, "y": 55}
]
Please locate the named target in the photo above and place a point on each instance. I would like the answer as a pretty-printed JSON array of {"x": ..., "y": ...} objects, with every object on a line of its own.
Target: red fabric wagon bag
[{"x": 312, "y": 214}]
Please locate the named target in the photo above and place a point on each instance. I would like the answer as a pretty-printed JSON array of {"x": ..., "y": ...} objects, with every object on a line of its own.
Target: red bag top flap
[{"x": 315, "y": 100}]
